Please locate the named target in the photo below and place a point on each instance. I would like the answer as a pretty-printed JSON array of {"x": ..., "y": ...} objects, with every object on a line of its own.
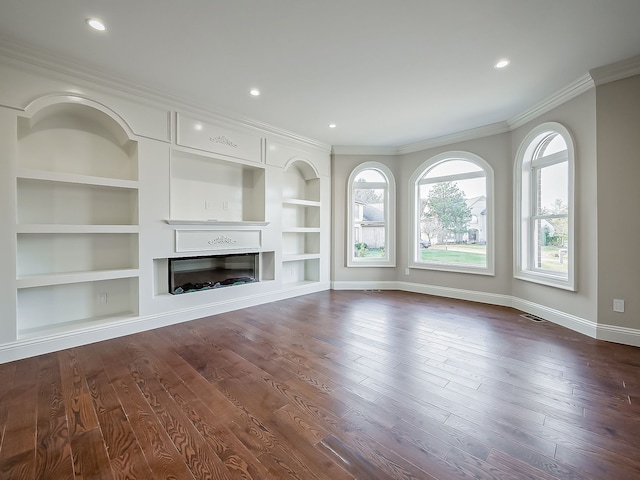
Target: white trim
[
  {"x": 363, "y": 150},
  {"x": 471, "y": 134},
  {"x": 390, "y": 217},
  {"x": 522, "y": 212},
  {"x": 414, "y": 182},
  {"x": 583, "y": 84},
  {"x": 25, "y": 56},
  {"x": 616, "y": 71},
  {"x": 611, "y": 333},
  {"x": 567, "y": 320},
  {"x": 458, "y": 293},
  {"x": 29, "y": 347}
]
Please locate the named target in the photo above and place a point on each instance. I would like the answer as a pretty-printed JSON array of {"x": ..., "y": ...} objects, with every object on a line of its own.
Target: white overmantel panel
[
  {"x": 217, "y": 240},
  {"x": 22, "y": 86},
  {"x": 211, "y": 137}
]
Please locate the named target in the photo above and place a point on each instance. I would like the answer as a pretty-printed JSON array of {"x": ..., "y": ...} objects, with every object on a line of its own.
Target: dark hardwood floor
[{"x": 330, "y": 386}]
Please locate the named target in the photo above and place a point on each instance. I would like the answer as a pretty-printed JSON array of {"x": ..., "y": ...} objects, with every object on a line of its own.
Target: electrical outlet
[
  {"x": 208, "y": 205},
  {"x": 618, "y": 305},
  {"x": 225, "y": 205},
  {"x": 102, "y": 298},
  {"x": 406, "y": 271}
]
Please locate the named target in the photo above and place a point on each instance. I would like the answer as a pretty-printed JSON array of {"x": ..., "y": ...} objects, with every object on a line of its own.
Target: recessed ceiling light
[
  {"x": 198, "y": 126},
  {"x": 255, "y": 92},
  {"x": 502, "y": 63},
  {"x": 332, "y": 125},
  {"x": 96, "y": 24}
]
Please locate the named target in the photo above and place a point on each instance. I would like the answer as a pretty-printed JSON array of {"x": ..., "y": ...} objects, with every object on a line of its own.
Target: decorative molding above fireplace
[{"x": 216, "y": 240}]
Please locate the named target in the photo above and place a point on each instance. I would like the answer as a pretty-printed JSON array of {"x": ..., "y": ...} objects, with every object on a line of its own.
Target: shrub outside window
[
  {"x": 371, "y": 216},
  {"x": 453, "y": 214},
  {"x": 544, "y": 250}
]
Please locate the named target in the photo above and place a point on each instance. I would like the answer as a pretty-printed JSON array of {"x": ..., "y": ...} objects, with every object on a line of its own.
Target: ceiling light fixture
[
  {"x": 254, "y": 92},
  {"x": 96, "y": 24},
  {"x": 502, "y": 63},
  {"x": 332, "y": 125}
]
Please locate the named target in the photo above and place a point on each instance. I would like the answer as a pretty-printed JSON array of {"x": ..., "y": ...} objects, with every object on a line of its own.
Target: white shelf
[
  {"x": 74, "y": 325},
  {"x": 299, "y": 257},
  {"x": 298, "y": 284},
  {"x": 298, "y": 201},
  {"x": 54, "y": 228},
  {"x": 61, "y": 177},
  {"x": 32, "y": 281},
  {"x": 217, "y": 223},
  {"x": 300, "y": 230}
]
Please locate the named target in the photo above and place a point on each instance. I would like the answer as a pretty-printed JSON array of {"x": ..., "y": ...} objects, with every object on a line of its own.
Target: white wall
[
  {"x": 574, "y": 309},
  {"x": 578, "y": 116},
  {"x": 342, "y": 166},
  {"x": 618, "y": 139}
]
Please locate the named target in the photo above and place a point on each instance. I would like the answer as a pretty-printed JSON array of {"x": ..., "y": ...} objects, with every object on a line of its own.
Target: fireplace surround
[{"x": 193, "y": 274}]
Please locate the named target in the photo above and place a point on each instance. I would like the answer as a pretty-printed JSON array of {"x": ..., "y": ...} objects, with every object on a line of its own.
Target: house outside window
[
  {"x": 544, "y": 249},
  {"x": 371, "y": 216},
  {"x": 452, "y": 212}
]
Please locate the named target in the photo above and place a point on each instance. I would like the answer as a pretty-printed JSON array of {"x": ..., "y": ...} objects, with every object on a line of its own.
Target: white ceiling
[{"x": 388, "y": 73}]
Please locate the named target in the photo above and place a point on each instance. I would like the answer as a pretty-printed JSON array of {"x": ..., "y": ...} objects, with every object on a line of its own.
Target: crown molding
[
  {"x": 66, "y": 66},
  {"x": 471, "y": 134},
  {"x": 20, "y": 54},
  {"x": 616, "y": 71},
  {"x": 363, "y": 150},
  {"x": 583, "y": 84}
]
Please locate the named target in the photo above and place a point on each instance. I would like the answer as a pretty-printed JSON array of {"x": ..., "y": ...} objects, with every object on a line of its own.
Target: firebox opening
[{"x": 192, "y": 274}]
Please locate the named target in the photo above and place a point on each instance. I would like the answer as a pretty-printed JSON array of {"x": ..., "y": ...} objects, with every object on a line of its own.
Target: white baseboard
[
  {"x": 626, "y": 336},
  {"x": 37, "y": 346},
  {"x": 611, "y": 333},
  {"x": 572, "y": 322},
  {"x": 32, "y": 346}
]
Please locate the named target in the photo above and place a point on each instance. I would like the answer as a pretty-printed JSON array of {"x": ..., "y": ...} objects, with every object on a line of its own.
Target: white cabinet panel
[{"x": 213, "y": 138}]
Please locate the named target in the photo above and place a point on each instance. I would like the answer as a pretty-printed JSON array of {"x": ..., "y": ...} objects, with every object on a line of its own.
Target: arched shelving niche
[
  {"x": 301, "y": 213},
  {"x": 77, "y": 216}
]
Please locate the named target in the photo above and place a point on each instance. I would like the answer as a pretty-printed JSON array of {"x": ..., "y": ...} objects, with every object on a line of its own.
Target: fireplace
[{"x": 193, "y": 274}]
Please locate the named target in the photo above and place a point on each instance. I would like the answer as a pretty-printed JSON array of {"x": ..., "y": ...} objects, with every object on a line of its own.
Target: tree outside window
[{"x": 453, "y": 211}]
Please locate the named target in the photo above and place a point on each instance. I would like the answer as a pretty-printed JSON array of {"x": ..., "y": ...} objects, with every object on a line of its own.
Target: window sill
[
  {"x": 454, "y": 268},
  {"x": 547, "y": 280},
  {"x": 370, "y": 264}
]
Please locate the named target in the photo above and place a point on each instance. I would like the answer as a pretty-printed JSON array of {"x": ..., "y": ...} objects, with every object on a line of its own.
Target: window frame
[
  {"x": 526, "y": 169},
  {"x": 414, "y": 212},
  {"x": 389, "y": 260}
]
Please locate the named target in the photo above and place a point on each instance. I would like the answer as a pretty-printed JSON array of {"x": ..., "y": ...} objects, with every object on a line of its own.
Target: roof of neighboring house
[
  {"x": 478, "y": 205},
  {"x": 373, "y": 213}
]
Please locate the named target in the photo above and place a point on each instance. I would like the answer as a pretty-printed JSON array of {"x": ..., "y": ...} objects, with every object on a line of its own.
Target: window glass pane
[
  {"x": 552, "y": 144},
  {"x": 552, "y": 238},
  {"x": 553, "y": 189},
  {"x": 369, "y": 223},
  {"x": 371, "y": 176},
  {"x": 371, "y": 243},
  {"x": 453, "y": 218},
  {"x": 452, "y": 167}
]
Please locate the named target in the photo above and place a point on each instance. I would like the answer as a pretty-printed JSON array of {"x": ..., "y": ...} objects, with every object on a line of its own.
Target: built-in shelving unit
[
  {"x": 300, "y": 224},
  {"x": 77, "y": 220}
]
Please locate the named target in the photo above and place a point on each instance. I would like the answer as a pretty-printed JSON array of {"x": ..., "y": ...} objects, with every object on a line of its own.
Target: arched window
[
  {"x": 452, "y": 212},
  {"x": 544, "y": 240},
  {"x": 371, "y": 217}
]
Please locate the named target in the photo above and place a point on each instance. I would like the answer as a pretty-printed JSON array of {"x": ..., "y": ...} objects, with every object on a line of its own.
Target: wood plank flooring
[{"x": 329, "y": 386}]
